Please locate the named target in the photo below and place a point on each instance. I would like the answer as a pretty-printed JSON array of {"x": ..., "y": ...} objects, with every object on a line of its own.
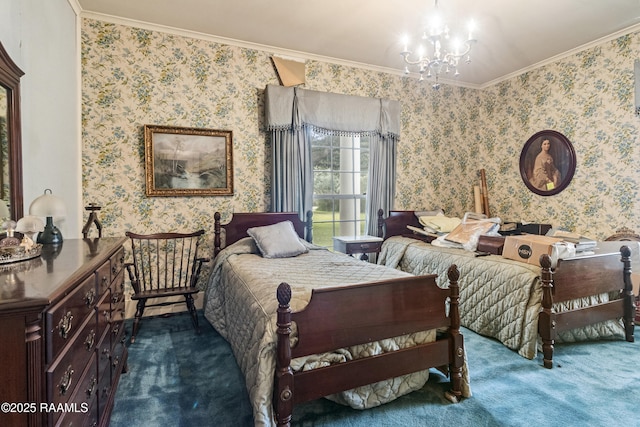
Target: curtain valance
[{"x": 293, "y": 108}]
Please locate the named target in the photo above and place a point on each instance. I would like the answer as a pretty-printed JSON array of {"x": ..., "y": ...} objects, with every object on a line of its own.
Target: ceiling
[{"x": 513, "y": 36}]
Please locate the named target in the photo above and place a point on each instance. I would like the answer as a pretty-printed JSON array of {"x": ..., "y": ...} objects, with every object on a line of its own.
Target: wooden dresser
[{"x": 62, "y": 334}]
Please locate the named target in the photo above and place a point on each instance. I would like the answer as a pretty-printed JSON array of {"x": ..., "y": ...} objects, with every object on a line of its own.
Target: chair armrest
[
  {"x": 133, "y": 277},
  {"x": 197, "y": 268}
]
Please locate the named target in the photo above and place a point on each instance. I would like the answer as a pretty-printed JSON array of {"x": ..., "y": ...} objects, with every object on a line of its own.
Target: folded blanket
[{"x": 439, "y": 223}]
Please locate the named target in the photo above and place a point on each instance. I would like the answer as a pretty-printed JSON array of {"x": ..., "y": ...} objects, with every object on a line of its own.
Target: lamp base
[{"x": 50, "y": 235}]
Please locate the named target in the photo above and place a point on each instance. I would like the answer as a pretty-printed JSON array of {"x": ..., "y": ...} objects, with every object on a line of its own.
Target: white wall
[{"x": 42, "y": 38}]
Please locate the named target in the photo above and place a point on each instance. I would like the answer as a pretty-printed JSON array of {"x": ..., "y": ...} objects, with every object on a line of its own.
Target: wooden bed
[
  {"x": 573, "y": 279},
  {"x": 338, "y": 317}
]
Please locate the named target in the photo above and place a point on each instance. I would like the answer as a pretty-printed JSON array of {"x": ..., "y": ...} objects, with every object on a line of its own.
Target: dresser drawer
[
  {"x": 104, "y": 277},
  {"x": 118, "y": 350},
  {"x": 80, "y": 419},
  {"x": 117, "y": 333},
  {"x": 117, "y": 262},
  {"x": 104, "y": 393},
  {"x": 63, "y": 375},
  {"x": 103, "y": 312},
  {"x": 104, "y": 356},
  {"x": 64, "y": 318},
  {"x": 117, "y": 298},
  {"x": 83, "y": 409}
]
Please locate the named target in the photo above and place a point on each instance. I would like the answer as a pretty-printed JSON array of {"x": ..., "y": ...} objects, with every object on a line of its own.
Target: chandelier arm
[{"x": 416, "y": 62}]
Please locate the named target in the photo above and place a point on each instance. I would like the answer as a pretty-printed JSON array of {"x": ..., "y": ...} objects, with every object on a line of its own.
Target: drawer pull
[
  {"x": 364, "y": 246},
  {"x": 115, "y": 362},
  {"x": 107, "y": 315},
  {"x": 65, "y": 325},
  {"x": 90, "y": 297},
  {"x": 92, "y": 386},
  {"x": 90, "y": 340},
  {"x": 115, "y": 298},
  {"x": 65, "y": 382},
  {"x": 116, "y": 329},
  {"x": 105, "y": 280}
]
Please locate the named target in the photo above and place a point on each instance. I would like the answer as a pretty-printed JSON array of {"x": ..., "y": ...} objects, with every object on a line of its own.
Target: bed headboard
[
  {"x": 240, "y": 222},
  {"x": 396, "y": 223}
]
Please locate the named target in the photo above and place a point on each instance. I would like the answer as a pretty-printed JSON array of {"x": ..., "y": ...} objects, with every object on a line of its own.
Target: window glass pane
[
  {"x": 364, "y": 177},
  {"x": 322, "y": 183},
  {"x": 321, "y": 158},
  {"x": 364, "y": 161}
]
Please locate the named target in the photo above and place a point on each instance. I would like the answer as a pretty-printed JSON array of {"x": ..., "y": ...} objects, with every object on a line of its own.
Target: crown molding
[
  {"x": 304, "y": 56},
  {"x": 563, "y": 55}
]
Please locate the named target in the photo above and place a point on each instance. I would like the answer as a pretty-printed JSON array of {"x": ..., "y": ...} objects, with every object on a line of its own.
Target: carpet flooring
[{"x": 179, "y": 378}]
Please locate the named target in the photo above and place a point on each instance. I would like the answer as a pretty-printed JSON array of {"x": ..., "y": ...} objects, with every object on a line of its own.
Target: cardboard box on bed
[{"x": 528, "y": 247}]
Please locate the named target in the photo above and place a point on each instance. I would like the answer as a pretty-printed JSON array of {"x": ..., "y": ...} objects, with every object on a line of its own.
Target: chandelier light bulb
[{"x": 405, "y": 43}]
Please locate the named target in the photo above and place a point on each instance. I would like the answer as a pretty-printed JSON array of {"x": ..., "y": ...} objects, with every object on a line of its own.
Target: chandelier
[{"x": 438, "y": 52}]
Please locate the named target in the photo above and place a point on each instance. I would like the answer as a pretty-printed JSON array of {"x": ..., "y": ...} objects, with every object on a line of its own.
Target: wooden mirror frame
[{"x": 10, "y": 79}]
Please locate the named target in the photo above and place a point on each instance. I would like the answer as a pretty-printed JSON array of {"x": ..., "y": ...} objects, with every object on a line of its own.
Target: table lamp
[
  {"x": 48, "y": 206},
  {"x": 29, "y": 226}
]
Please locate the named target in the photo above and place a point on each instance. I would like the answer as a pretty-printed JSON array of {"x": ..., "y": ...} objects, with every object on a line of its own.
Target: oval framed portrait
[{"x": 547, "y": 163}]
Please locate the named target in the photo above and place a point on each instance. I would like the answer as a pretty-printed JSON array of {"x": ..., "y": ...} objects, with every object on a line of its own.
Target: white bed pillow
[{"x": 278, "y": 240}]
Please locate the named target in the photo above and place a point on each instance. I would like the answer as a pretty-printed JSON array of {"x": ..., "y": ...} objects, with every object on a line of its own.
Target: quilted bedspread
[
  {"x": 499, "y": 298},
  {"x": 240, "y": 302}
]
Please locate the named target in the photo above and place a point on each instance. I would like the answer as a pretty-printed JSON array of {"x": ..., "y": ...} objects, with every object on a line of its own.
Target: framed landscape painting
[{"x": 182, "y": 161}]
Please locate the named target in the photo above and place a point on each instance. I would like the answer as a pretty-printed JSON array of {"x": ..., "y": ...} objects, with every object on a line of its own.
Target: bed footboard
[
  {"x": 339, "y": 317},
  {"x": 574, "y": 279}
]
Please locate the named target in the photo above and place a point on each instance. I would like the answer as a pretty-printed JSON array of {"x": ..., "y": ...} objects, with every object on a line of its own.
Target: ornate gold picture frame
[{"x": 182, "y": 161}]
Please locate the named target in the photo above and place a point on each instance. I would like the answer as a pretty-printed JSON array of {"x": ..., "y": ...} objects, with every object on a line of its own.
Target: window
[{"x": 340, "y": 175}]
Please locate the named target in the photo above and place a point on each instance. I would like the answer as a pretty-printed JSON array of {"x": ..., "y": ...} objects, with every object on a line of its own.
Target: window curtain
[{"x": 291, "y": 113}]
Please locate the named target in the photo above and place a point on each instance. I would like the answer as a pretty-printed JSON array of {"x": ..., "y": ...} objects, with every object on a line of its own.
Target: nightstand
[{"x": 357, "y": 245}]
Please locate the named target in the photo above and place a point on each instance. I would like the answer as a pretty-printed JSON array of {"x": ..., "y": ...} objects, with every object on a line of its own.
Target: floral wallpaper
[{"x": 132, "y": 77}]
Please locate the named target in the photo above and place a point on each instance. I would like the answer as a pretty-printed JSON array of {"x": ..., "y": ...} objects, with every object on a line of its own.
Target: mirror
[{"x": 10, "y": 138}]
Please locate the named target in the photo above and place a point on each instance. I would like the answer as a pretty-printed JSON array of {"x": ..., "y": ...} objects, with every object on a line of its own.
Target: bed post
[
  {"x": 308, "y": 225},
  {"x": 283, "y": 382},
  {"x": 380, "y": 223},
  {"x": 546, "y": 321},
  {"x": 456, "y": 343},
  {"x": 629, "y": 300},
  {"x": 216, "y": 234}
]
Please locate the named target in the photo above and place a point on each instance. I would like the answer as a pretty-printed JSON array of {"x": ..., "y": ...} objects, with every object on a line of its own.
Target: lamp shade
[
  {"x": 30, "y": 224},
  {"x": 47, "y": 205}
]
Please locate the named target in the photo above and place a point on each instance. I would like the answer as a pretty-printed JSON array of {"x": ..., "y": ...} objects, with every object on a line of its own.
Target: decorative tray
[{"x": 10, "y": 254}]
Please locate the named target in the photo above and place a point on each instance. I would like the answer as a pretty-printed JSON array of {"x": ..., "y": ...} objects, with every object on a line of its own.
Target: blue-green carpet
[{"x": 179, "y": 378}]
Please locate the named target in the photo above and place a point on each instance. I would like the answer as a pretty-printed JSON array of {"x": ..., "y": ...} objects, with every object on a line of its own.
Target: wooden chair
[{"x": 165, "y": 265}]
